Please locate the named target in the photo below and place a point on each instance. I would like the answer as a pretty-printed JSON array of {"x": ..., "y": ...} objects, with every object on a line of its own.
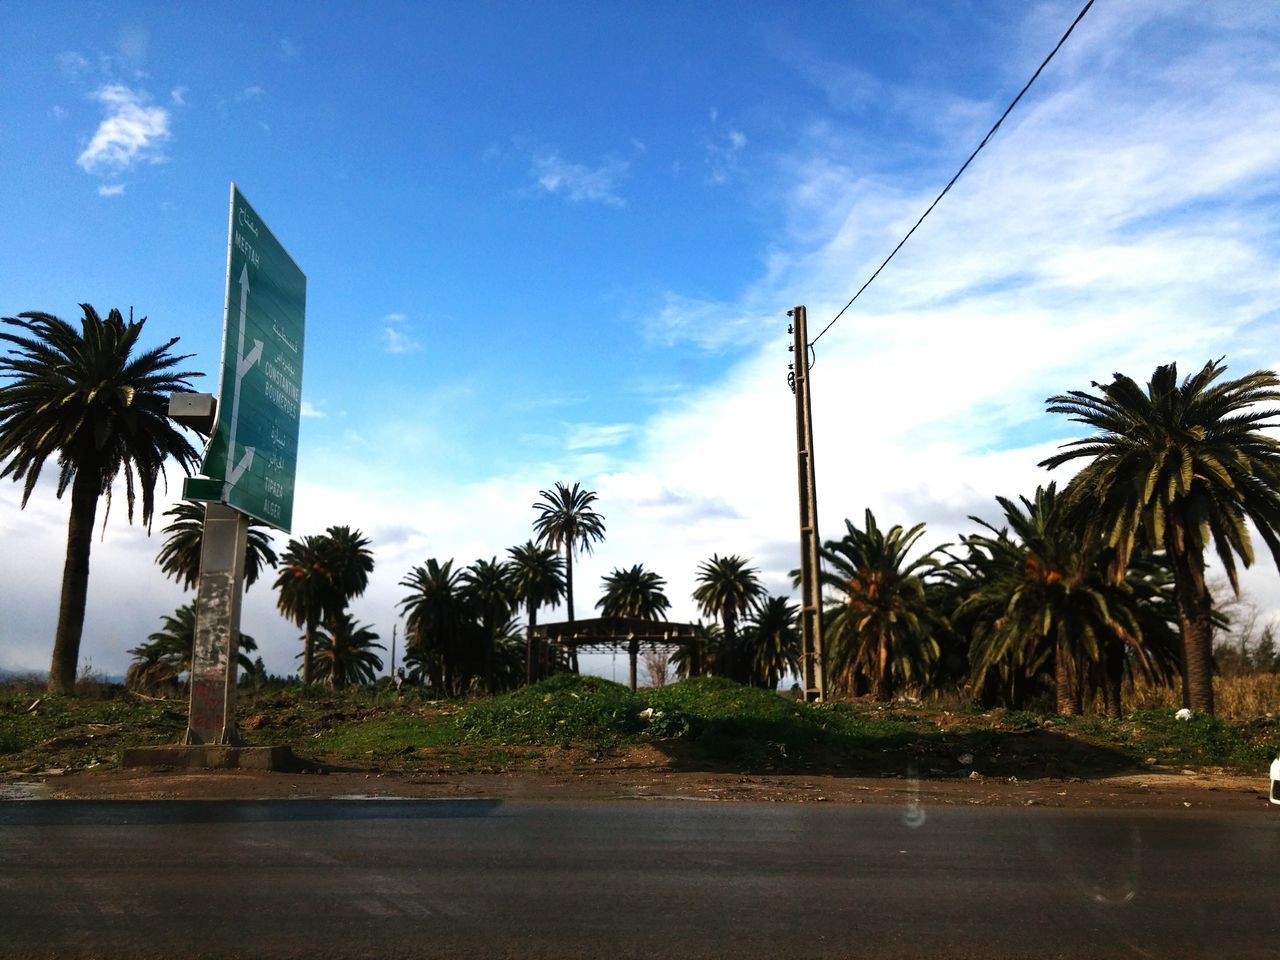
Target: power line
[{"x": 952, "y": 181}]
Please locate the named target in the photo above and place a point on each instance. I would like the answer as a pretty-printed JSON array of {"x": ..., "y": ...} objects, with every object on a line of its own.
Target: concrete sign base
[{"x": 212, "y": 757}]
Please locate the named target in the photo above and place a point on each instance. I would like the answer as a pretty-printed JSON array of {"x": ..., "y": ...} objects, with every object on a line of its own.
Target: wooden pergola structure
[{"x": 607, "y": 634}]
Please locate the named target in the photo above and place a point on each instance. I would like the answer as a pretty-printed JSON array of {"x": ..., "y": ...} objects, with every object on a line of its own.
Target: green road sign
[{"x": 253, "y": 453}]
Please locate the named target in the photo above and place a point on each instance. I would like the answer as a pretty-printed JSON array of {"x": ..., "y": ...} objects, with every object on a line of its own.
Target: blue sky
[{"x": 557, "y": 242}]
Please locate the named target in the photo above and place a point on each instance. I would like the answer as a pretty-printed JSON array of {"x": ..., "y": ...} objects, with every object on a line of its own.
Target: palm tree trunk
[
  {"x": 1113, "y": 679},
  {"x": 884, "y": 684},
  {"x": 1068, "y": 691},
  {"x": 530, "y": 647},
  {"x": 568, "y": 582},
  {"x": 730, "y": 645},
  {"x": 1195, "y": 622},
  {"x": 75, "y": 583},
  {"x": 308, "y": 642},
  {"x": 1182, "y": 673}
]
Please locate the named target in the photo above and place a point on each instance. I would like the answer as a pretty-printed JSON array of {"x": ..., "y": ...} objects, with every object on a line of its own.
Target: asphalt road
[{"x": 482, "y": 878}]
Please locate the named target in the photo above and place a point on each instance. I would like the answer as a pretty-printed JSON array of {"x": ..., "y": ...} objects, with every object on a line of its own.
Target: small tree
[{"x": 657, "y": 667}]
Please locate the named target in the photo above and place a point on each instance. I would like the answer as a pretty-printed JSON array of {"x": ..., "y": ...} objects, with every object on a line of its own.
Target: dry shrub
[
  {"x": 1246, "y": 697},
  {"x": 656, "y": 667}
]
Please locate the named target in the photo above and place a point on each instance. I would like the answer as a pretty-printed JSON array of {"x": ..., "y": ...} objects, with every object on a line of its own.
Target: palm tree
[
  {"x": 728, "y": 588},
  {"x": 699, "y": 655},
  {"x": 179, "y": 556},
  {"x": 1041, "y": 600},
  {"x": 437, "y": 625},
  {"x": 883, "y": 629},
  {"x": 319, "y": 576},
  {"x": 1178, "y": 467},
  {"x": 536, "y": 575},
  {"x": 771, "y": 642},
  {"x": 344, "y": 652},
  {"x": 348, "y": 563},
  {"x": 1150, "y": 579},
  {"x": 507, "y": 660},
  {"x": 86, "y": 398},
  {"x": 486, "y": 585},
  {"x": 305, "y": 591},
  {"x": 487, "y": 589},
  {"x": 634, "y": 592},
  {"x": 566, "y": 519},
  {"x": 167, "y": 652},
  {"x": 972, "y": 592}
]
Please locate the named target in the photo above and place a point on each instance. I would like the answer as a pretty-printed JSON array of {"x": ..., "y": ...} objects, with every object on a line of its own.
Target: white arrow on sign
[{"x": 244, "y": 363}]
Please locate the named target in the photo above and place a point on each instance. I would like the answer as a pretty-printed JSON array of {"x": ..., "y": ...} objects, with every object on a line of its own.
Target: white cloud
[
  {"x": 591, "y": 436},
  {"x": 132, "y": 44},
  {"x": 290, "y": 50},
  {"x": 580, "y": 183},
  {"x": 722, "y": 151},
  {"x": 711, "y": 324},
  {"x": 309, "y": 409},
  {"x": 111, "y": 190},
  {"x": 57, "y": 112},
  {"x": 396, "y": 337},
  {"x": 178, "y": 96},
  {"x": 847, "y": 88},
  {"x": 132, "y": 132},
  {"x": 397, "y": 341},
  {"x": 73, "y": 65}
]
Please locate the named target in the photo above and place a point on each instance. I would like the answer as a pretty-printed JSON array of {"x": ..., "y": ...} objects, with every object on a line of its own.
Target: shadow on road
[{"x": 58, "y": 813}]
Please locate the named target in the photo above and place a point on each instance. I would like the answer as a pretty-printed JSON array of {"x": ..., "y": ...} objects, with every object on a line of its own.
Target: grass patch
[
  {"x": 729, "y": 723},
  {"x": 381, "y": 737},
  {"x": 69, "y": 732},
  {"x": 705, "y": 723},
  {"x": 564, "y": 710},
  {"x": 1200, "y": 741}
]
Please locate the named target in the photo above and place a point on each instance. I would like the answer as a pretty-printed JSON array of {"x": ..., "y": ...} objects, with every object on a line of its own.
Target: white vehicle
[{"x": 1275, "y": 780}]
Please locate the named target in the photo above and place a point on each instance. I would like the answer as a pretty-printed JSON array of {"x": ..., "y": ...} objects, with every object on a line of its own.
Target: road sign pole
[
  {"x": 249, "y": 466},
  {"x": 217, "y": 640}
]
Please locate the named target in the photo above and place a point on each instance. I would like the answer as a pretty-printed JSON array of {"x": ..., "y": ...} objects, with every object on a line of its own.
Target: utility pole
[{"x": 812, "y": 665}]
